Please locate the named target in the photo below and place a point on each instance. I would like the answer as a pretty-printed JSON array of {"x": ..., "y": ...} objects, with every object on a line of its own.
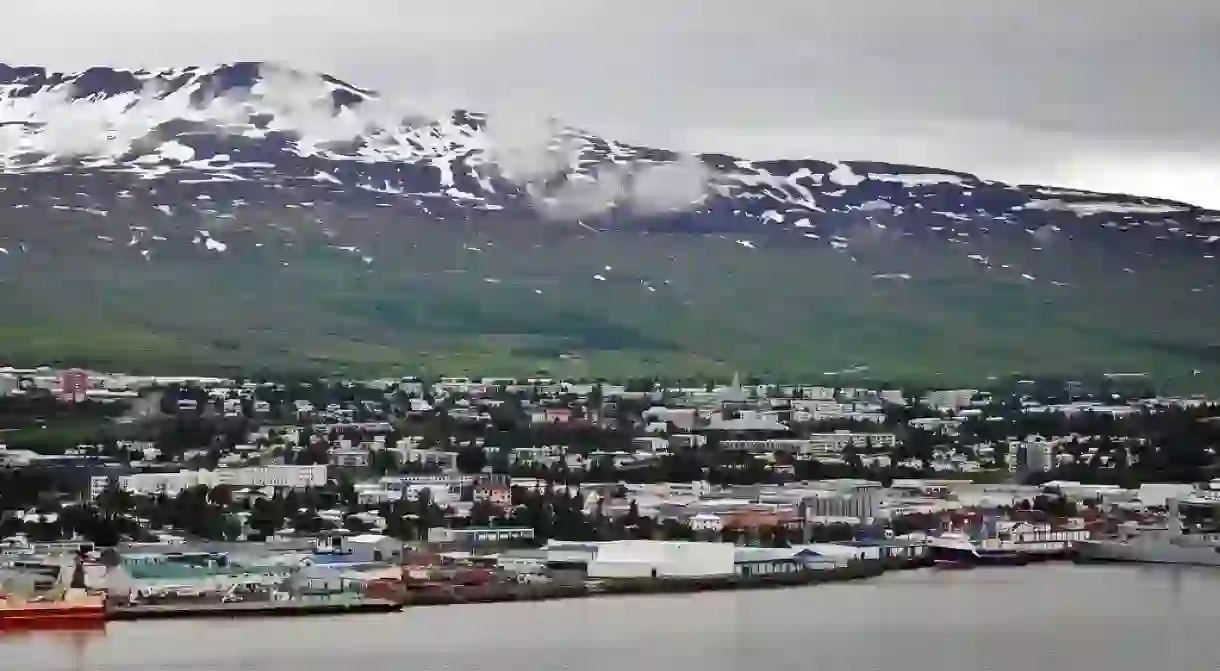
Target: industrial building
[
  {"x": 681, "y": 559},
  {"x": 757, "y": 562},
  {"x": 360, "y": 549},
  {"x": 662, "y": 559},
  {"x": 1036, "y": 455},
  {"x": 860, "y": 504},
  {"x": 473, "y": 536}
]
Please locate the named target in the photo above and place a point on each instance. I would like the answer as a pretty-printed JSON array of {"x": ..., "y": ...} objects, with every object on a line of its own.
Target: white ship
[{"x": 1168, "y": 545}]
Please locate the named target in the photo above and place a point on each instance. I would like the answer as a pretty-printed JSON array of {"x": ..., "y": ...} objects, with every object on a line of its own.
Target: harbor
[
  {"x": 148, "y": 586},
  {"x": 1142, "y": 613},
  {"x": 339, "y": 572},
  {"x": 1189, "y": 535},
  {"x": 329, "y": 580}
]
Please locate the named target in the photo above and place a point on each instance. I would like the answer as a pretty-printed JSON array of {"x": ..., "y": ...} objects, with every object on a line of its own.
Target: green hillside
[{"x": 529, "y": 302}]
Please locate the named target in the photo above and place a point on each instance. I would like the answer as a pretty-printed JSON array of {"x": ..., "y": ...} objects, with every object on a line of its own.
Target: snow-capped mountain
[
  {"x": 250, "y": 133},
  {"x": 107, "y": 167}
]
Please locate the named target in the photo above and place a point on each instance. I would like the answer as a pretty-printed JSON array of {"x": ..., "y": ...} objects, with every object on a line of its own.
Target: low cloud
[
  {"x": 551, "y": 163},
  {"x": 581, "y": 197},
  {"x": 546, "y": 160},
  {"x": 526, "y": 148},
  {"x": 668, "y": 187}
]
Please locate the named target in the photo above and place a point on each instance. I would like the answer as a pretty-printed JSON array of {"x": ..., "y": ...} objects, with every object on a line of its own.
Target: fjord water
[{"x": 1049, "y": 617}]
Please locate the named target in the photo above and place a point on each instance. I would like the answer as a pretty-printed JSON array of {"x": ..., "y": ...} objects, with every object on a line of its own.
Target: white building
[
  {"x": 373, "y": 548},
  {"x": 662, "y": 559},
  {"x": 8, "y": 384},
  {"x": 793, "y": 445},
  {"x": 706, "y": 522},
  {"x": 818, "y": 443},
  {"x": 291, "y": 476},
  {"x": 1039, "y": 455},
  {"x": 696, "y": 488},
  {"x": 97, "y": 485},
  {"x": 892, "y": 397},
  {"x": 451, "y": 481},
  {"x": 837, "y": 441},
  {"x": 863, "y": 506},
  {"x": 842, "y": 552},
  {"x": 651, "y": 444},
  {"x": 350, "y": 457},
  {"x": 950, "y": 399},
  {"x": 763, "y": 561},
  {"x": 478, "y": 536},
  {"x": 443, "y": 460},
  {"x": 818, "y": 393},
  {"x": 845, "y": 501}
]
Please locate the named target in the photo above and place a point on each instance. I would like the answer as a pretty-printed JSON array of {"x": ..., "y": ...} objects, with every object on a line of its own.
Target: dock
[
  {"x": 289, "y": 608},
  {"x": 643, "y": 586}
]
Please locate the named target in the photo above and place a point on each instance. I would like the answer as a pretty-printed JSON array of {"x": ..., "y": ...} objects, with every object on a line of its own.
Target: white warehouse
[{"x": 661, "y": 559}]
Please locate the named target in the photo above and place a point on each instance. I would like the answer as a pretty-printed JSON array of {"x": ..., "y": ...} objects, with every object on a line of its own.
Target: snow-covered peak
[{"x": 249, "y": 133}]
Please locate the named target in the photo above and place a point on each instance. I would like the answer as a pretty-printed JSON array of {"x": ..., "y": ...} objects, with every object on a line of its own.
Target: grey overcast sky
[{"x": 1106, "y": 94}]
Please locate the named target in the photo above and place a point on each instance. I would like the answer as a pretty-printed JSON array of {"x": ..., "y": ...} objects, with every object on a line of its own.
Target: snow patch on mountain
[
  {"x": 1091, "y": 207},
  {"x": 917, "y": 179}
]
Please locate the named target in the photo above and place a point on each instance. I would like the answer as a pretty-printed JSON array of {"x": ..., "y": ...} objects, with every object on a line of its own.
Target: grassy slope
[{"x": 795, "y": 310}]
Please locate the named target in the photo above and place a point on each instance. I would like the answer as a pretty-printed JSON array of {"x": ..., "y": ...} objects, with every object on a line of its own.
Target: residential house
[
  {"x": 350, "y": 457},
  {"x": 479, "y": 535}
]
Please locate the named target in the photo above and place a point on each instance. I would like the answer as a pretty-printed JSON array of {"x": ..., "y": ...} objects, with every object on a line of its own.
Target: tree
[
  {"x": 674, "y": 530},
  {"x": 355, "y": 524},
  {"x": 265, "y": 518},
  {"x": 471, "y": 459},
  {"x": 428, "y": 512},
  {"x": 314, "y": 453},
  {"x": 851, "y": 457},
  {"x": 633, "y": 514},
  {"x": 437, "y": 432},
  {"x": 347, "y": 490},
  {"x": 481, "y": 513},
  {"x": 230, "y": 528},
  {"x": 384, "y": 462},
  {"x": 597, "y": 400},
  {"x": 221, "y": 495}
]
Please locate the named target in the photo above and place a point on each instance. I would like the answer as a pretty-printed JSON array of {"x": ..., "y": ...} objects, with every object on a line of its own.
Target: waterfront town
[{"x": 166, "y": 496}]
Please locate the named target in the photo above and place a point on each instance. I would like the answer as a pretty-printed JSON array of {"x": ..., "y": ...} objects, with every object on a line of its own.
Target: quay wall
[{"x": 856, "y": 570}]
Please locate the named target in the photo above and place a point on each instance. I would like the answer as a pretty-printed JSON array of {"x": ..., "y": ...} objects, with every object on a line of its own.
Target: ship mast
[{"x": 1174, "y": 518}]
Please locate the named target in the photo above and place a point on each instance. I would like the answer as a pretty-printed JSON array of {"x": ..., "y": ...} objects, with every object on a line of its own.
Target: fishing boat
[{"x": 959, "y": 547}]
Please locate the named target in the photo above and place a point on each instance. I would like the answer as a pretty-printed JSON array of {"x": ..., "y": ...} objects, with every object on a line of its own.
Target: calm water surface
[{"x": 1010, "y": 619}]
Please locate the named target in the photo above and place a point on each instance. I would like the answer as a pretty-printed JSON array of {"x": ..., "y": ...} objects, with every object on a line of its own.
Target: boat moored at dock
[
  {"x": 74, "y": 609},
  {"x": 67, "y": 604},
  {"x": 956, "y": 547},
  {"x": 1170, "y": 544}
]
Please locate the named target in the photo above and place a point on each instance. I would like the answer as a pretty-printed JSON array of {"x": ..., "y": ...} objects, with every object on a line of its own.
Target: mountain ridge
[
  {"x": 281, "y": 171},
  {"x": 249, "y": 98}
]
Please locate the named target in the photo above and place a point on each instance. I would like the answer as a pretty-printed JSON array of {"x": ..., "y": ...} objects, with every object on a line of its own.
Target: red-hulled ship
[
  {"x": 58, "y": 608},
  {"x": 74, "y": 609}
]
